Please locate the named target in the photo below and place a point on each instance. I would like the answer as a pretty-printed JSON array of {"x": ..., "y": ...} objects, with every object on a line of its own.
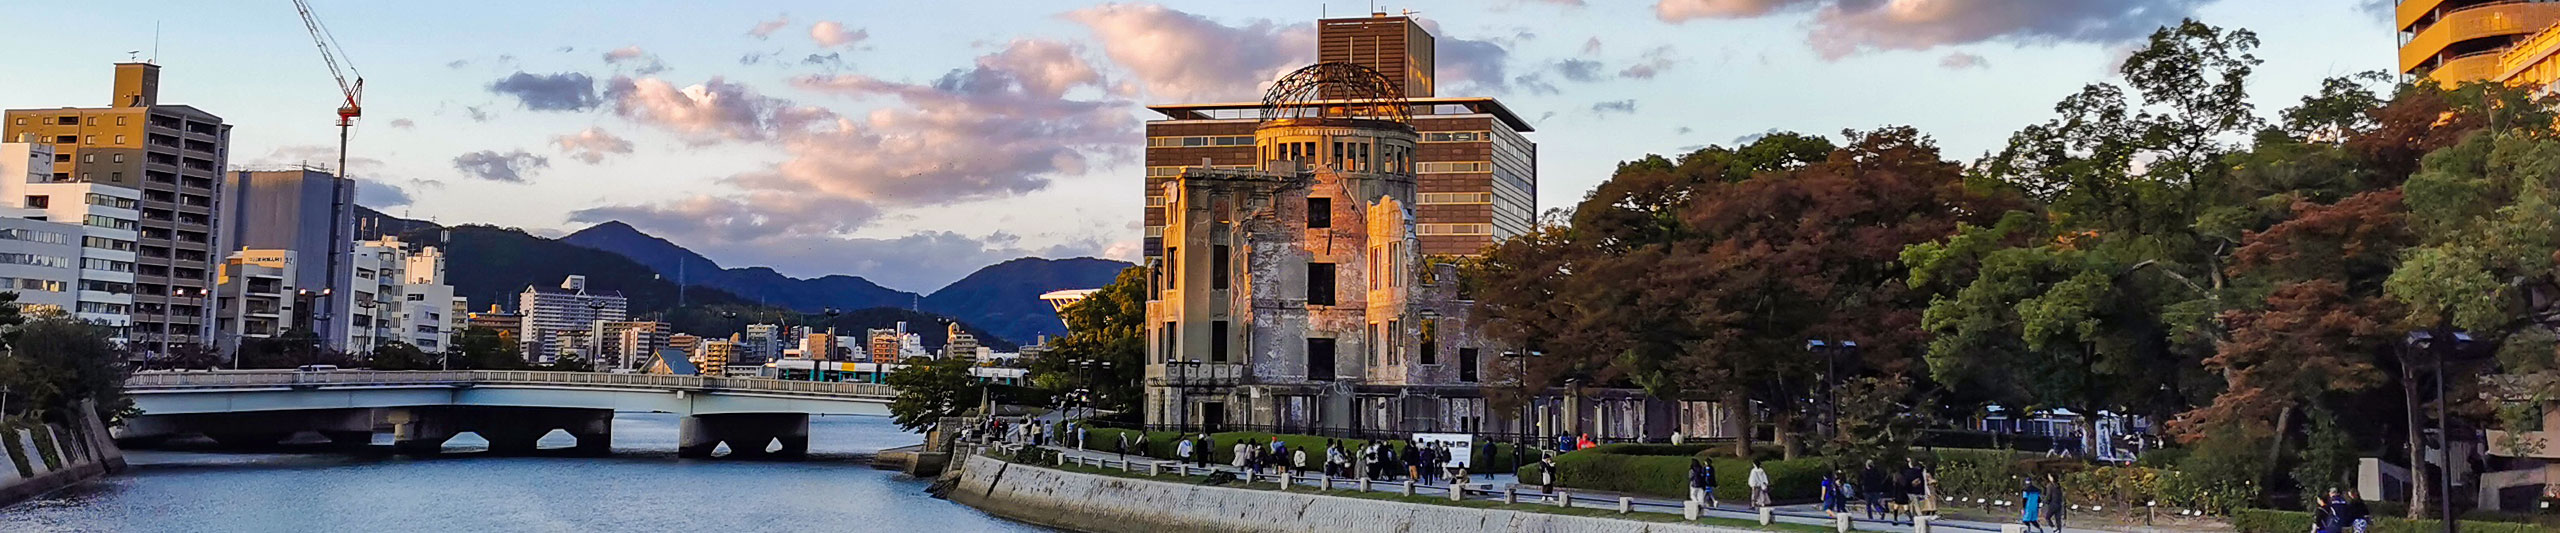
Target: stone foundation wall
[
  {"x": 1103, "y": 504},
  {"x": 43, "y": 458}
]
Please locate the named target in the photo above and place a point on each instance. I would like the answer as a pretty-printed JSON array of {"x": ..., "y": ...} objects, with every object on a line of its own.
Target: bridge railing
[{"x": 276, "y": 378}]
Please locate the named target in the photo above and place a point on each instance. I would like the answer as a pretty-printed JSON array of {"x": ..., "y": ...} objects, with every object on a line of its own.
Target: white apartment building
[
  {"x": 100, "y": 221},
  {"x": 396, "y": 294},
  {"x": 254, "y": 296},
  {"x": 569, "y": 307}
]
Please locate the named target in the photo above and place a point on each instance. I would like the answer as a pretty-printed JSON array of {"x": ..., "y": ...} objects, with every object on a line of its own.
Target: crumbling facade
[{"x": 1295, "y": 296}]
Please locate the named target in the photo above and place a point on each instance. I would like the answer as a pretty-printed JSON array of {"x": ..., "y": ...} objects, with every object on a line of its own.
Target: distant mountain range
[{"x": 1000, "y": 303}]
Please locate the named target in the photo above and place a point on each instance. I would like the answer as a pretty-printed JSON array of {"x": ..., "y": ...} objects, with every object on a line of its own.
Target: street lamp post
[
  {"x": 2444, "y": 351},
  {"x": 1830, "y": 352}
]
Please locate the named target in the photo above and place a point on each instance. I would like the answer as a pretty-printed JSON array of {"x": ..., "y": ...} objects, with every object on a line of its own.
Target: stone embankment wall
[
  {"x": 41, "y": 458},
  {"x": 1104, "y": 504}
]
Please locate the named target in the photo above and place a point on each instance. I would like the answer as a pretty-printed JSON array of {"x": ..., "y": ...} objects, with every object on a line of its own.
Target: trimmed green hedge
[
  {"x": 1495, "y": 457},
  {"x": 1613, "y": 468},
  {"x": 2272, "y": 521}
]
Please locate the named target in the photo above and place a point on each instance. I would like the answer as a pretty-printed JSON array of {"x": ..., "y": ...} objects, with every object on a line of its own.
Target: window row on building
[{"x": 1199, "y": 141}]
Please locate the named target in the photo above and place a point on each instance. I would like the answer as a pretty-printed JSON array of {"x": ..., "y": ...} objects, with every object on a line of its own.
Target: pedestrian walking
[
  {"x": 2056, "y": 505},
  {"x": 1871, "y": 486},
  {"x": 1831, "y": 504},
  {"x": 1200, "y": 452},
  {"x": 1701, "y": 483},
  {"x": 2031, "y": 504},
  {"x": 1928, "y": 493},
  {"x": 1298, "y": 460},
  {"x": 1182, "y": 452},
  {"x": 2325, "y": 517},
  {"x": 1143, "y": 450},
  {"x": 1122, "y": 448},
  {"x": 1547, "y": 473},
  {"x": 1759, "y": 482},
  {"x": 2358, "y": 517}
]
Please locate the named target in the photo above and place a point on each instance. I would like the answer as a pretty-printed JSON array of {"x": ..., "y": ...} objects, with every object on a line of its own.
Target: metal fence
[{"x": 463, "y": 378}]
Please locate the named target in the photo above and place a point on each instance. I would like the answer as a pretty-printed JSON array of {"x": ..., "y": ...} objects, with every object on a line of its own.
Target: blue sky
[{"x": 912, "y": 142}]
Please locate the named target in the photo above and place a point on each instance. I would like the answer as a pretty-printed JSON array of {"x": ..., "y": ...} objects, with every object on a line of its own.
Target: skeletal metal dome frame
[{"x": 1335, "y": 90}]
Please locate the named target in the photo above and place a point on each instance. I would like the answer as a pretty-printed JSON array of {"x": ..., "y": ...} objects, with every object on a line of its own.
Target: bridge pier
[
  {"x": 349, "y": 427},
  {"x": 509, "y": 430},
  {"x": 747, "y": 434}
]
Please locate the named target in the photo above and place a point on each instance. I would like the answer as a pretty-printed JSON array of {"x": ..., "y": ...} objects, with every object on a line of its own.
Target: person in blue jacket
[{"x": 2033, "y": 503}]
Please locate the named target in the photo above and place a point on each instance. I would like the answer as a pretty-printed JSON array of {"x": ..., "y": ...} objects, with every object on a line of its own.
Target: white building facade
[
  {"x": 100, "y": 221},
  {"x": 548, "y": 311}
]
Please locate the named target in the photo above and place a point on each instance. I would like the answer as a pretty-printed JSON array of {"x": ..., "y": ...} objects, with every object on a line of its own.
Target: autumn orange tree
[{"x": 1705, "y": 277}]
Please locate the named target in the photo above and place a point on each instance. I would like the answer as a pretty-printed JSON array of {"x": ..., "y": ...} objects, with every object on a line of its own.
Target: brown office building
[
  {"x": 175, "y": 155},
  {"x": 1478, "y": 176}
]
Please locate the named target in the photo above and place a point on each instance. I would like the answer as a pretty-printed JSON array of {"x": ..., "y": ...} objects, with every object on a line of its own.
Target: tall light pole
[
  {"x": 1831, "y": 352},
  {"x": 2455, "y": 342}
]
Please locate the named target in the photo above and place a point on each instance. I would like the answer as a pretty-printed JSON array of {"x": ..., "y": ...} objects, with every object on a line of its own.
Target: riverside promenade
[{"x": 1491, "y": 504}]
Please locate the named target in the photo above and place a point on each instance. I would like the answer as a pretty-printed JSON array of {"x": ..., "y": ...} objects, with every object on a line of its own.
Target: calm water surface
[{"x": 643, "y": 487}]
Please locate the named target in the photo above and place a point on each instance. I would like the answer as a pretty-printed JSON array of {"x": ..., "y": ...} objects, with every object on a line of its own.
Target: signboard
[{"x": 1462, "y": 447}]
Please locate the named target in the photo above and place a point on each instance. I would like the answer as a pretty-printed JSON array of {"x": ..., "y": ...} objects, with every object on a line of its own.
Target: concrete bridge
[{"x": 511, "y": 409}]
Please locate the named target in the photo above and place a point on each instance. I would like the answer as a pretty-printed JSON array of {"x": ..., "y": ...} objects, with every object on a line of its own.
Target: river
[{"x": 642, "y": 487}]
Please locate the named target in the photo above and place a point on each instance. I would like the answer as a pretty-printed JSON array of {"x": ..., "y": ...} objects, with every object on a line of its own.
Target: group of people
[
  {"x": 2341, "y": 513},
  {"x": 1429, "y": 463},
  {"x": 1896, "y": 496}
]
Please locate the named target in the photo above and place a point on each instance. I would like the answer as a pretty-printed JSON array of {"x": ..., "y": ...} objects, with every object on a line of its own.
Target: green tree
[
  {"x": 930, "y": 390},
  {"x": 56, "y": 362},
  {"x": 402, "y": 356},
  {"x": 479, "y": 348},
  {"x": 2105, "y": 296},
  {"x": 1108, "y": 326}
]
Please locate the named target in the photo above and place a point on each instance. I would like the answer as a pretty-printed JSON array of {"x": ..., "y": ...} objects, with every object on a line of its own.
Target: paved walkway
[{"x": 1807, "y": 514}]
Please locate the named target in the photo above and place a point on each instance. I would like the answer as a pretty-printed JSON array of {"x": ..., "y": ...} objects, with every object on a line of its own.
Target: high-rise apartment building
[
  {"x": 289, "y": 209},
  {"x": 173, "y": 154},
  {"x": 101, "y": 219},
  {"x": 393, "y": 294},
  {"x": 549, "y": 311},
  {"x": 2454, "y": 41},
  {"x": 256, "y": 297},
  {"x": 1477, "y": 172},
  {"x": 628, "y": 345},
  {"x": 958, "y": 343},
  {"x": 713, "y": 358},
  {"x": 760, "y": 344}
]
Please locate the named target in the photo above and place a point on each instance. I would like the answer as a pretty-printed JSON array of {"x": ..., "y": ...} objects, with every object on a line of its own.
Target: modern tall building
[
  {"x": 101, "y": 219},
  {"x": 393, "y": 294},
  {"x": 958, "y": 343},
  {"x": 1477, "y": 173},
  {"x": 289, "y": 209},
  {"x": 256, "y": 297},
  {"x": 173, "y": 154},
  {"x": 628, "y": 345},
  {"x": 2454, "y": 41},
  {"x": 549, "y": 311},
  {"x": 760, "y": 344}
]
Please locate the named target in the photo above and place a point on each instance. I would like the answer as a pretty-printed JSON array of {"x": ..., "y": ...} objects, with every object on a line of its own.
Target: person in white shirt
[{"x": 1759, "y": 483}]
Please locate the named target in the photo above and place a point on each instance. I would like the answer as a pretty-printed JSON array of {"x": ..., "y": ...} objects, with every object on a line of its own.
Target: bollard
[
  {"x": 1154, "y": 470},
  {"x": 1457, "y": 492},
  {"x": 1920, "y": 524},
  {"x": 1768, "y": 516},
  {"x": 1626, "y": 505},
  {"x": 1364, "y": 484},
  {"x": 1326, "y": 482},
  {"x": 1511, "y": 495},
  {"x": 1284, "y": 481},
  {"x": 1689, "y": 509},
  {"x": 1407, "y": 487},
  {"x": 1840, "y": 522},
  {"x": 2013, "y": 528},
  {"x": 1564, "y": 499}
]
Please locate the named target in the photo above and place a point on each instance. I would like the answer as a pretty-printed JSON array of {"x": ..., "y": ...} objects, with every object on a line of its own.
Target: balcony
[{"x": 2476, "y": 22}]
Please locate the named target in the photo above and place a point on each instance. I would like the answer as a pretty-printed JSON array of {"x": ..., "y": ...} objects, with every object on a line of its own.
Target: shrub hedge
[
  {"x": 2273, "y": 521},
  {"x": 1495, "y": 457},
  {"x": 1648, "y": 469}
]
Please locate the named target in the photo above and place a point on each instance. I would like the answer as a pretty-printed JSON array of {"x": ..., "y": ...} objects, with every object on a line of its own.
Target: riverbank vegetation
[{"x": 2272, "y": 289}]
